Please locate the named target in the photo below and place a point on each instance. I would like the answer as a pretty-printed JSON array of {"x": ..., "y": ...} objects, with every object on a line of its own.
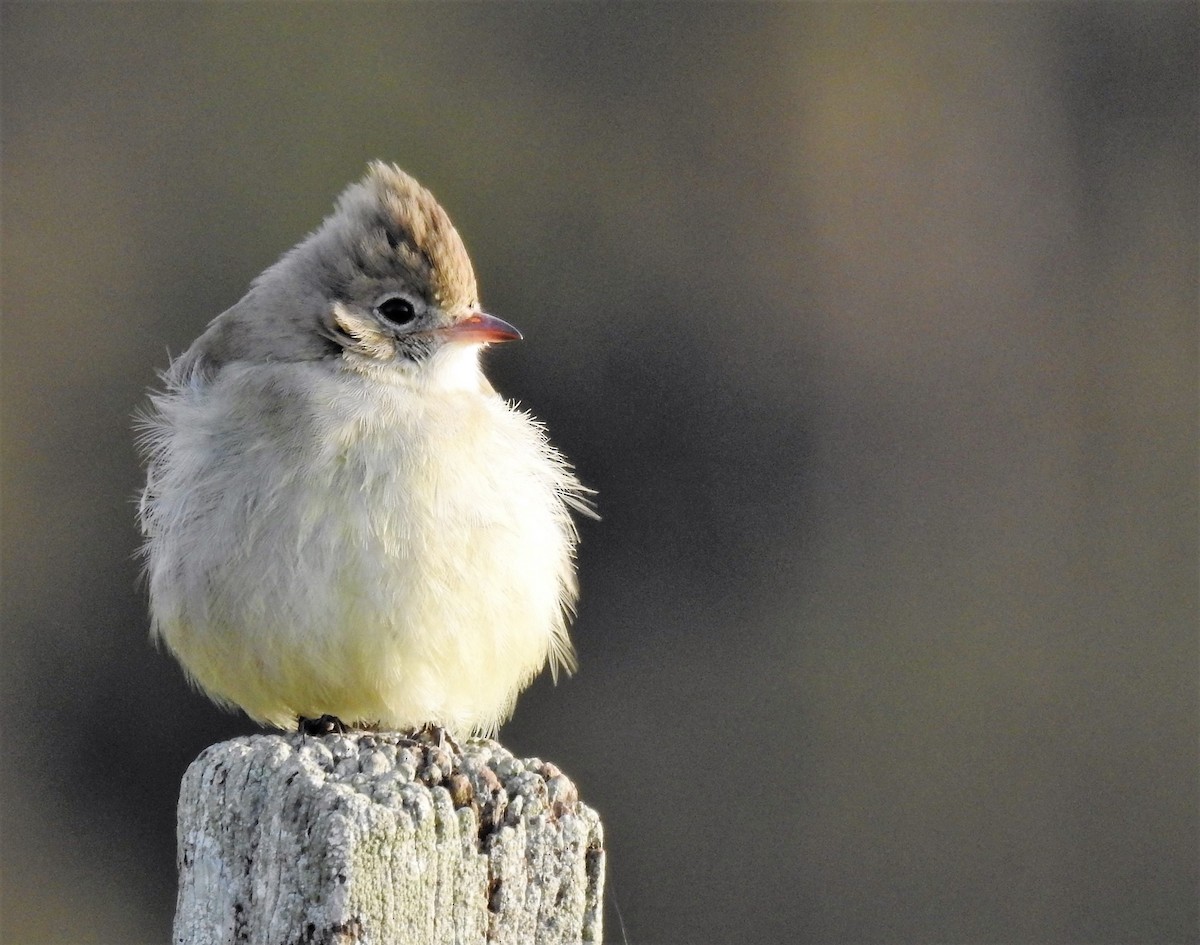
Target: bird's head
[
  {"x": 400, "y": 283},
  {"x": 384, "y": 284}
]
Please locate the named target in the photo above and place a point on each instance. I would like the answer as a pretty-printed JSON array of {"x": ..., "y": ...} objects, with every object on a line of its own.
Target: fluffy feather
[{"x": 365, "y": 532}]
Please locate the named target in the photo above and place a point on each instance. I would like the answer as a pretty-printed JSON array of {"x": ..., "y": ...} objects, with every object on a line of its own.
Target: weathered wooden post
[{"x": 375, "y": 838}]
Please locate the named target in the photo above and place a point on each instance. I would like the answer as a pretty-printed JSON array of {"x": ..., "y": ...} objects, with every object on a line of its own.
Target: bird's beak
[{"x": 479, "y": 327}]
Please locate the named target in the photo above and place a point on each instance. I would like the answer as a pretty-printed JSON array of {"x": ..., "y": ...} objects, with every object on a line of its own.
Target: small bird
[{"x": 342, "y": 518}]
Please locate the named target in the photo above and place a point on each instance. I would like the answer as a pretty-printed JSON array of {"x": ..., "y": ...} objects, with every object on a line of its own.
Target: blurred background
[{"x": 875, "y": 327}]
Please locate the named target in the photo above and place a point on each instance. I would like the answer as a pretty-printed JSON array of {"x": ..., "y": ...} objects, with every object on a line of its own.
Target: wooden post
[{"x": 370, "y": 838}]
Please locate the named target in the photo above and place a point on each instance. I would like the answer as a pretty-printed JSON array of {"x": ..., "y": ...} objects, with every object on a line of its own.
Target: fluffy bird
[{"x": 341, "y": 516}]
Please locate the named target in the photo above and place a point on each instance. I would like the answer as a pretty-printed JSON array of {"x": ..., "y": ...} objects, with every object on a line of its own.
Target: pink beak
[{"x": 479, "y": 327}]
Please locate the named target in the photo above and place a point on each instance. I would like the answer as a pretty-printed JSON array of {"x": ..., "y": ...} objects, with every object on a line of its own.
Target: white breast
[{"x": 324, "y": 542}]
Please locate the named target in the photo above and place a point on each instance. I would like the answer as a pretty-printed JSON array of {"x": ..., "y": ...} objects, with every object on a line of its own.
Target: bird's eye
[{"x": 396, "y": 309}]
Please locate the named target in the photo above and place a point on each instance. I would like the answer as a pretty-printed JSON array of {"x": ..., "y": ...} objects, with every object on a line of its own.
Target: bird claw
[
  {"x": 437, "y": 735},
  {"x": 325, "y": 725}
]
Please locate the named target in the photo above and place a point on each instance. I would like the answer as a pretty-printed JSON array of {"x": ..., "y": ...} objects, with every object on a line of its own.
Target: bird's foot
[
  {"x": 325, "y": 725},
  {"x": 437, "y": 735}
]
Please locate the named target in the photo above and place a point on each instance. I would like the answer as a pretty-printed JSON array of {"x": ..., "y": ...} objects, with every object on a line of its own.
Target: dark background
[{"x": 874, "y": 326}]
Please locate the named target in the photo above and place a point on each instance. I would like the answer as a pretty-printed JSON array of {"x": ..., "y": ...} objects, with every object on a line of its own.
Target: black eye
[{"x": 397, "y": 309}]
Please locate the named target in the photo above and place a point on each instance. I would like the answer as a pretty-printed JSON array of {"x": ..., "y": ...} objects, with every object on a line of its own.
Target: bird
[{"x": 342, "y": 520}]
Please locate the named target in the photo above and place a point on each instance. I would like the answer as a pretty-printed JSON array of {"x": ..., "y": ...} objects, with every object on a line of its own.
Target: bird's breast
[{"x": 451, "y": 489}]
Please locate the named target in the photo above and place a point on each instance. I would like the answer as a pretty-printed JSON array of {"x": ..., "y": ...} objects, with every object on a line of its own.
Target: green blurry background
[{"x": 874, "y": 326}]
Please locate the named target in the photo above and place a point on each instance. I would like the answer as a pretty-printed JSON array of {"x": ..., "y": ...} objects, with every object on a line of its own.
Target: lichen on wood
[{"x": 378, "y": 838}]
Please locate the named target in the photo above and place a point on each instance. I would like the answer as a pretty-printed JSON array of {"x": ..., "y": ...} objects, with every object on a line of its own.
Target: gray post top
[{"x": 379, "y": 837}]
